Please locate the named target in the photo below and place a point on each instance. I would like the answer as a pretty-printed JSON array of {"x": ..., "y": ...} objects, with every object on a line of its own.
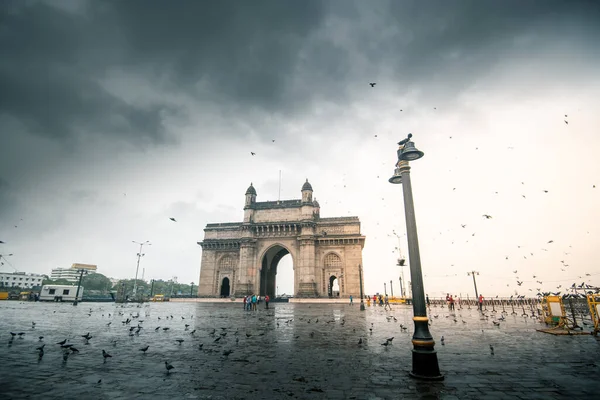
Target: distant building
[
  {"x": 71, "y": 274},
  {"x": 21, "y": 280}
]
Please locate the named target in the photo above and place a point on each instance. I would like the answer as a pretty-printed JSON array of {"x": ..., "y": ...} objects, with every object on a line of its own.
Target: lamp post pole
[
  {"x": 401, "y": 263},
  {"x": 401, "y": 290},
  {"x": 424, "y": 357},
  {"x": 384, "y": 288},
  {"x": 81, "y": 271},
  {"x": 191, "y": 289},
  {"x": 391, "y": 289},
  {"x": 362, "y": 300},
  {"x": 137, "y": 268},
  {"x": 474, "y": 282}
]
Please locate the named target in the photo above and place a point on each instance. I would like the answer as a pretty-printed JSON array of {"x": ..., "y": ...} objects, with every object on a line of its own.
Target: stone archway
[
  {"x": 248, "y": 252},
  {"x": 268, "y": 269},
  {"x": 225, "y": 287}
]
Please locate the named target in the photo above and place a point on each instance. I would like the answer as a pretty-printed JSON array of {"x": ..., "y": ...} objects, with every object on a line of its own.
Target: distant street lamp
[
  {"x": 391, "y": 289},
  {"x": 384, "y": 289},
  {"x": 192, "y": 288},
  {"x": 401, "y": 263},
  {"x": 362, "y": 300},
  {"x": 137, "y": 268},
  {"x": 4, "y": 256},
  {"x": 424, "y": 357},
  {"x": 474, "y": 282},
  {"x": 81, "y": 272}
]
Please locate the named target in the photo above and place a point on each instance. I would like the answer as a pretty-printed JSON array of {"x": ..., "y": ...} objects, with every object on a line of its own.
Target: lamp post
[
  {"x": 391, "y": 289},
  {"x": 362, "y": 300},
  {"x": 424, "y": 357},
  {"x": 137, "y": 268},
  {"x": 192, "y": 288},
  {"x": 401, "y": 263},
  {"x": 81, "y": 272},
  {"x": 474, "y": 282},
  {"x": 384, "y": 289},
  {"x": 401, "y": 290}
]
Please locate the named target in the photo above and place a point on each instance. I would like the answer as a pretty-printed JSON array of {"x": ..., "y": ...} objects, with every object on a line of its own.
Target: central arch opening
[
  {"x": 333, "y": 287},
  {"x": 277, "y": 256}
]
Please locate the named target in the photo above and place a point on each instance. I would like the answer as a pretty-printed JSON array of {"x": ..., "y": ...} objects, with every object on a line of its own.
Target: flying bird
[
  {"x": 172, "y": 219},
  {"x": 373, "y": 85},
  {"x": 566, "y": 122},
  {"x": 487, "y": 216},
  {"x": 252, "y": 153}
]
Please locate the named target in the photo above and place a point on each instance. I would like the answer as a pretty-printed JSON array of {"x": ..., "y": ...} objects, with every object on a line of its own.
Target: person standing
[
  {"x": 350, "y": 299},
  {"x": 427, "y": 300},
  {"x": 387, "y": 303},
  {"x": 451, "y": 303},
  {"x": 480, "y": 302},
  {"x": 245, "y": 299},
  {"x": 267, "y": 298}
]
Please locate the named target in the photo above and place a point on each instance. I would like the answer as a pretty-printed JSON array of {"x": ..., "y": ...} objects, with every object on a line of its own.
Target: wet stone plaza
[{"x": 303, "y": 351}]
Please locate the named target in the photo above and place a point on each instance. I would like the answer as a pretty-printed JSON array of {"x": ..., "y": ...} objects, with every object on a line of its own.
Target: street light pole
[
  {"x": 401, "y": 290},
  {"x": 424, "y": 357},
  {"x": 191, "y": 289},
  {"x": 401, "y": 263},
  {"x": 362, "y": 300},
  {"x": 391, "y": 289},
  {"x": 137, "y": 268},
  {"x": 81, "y": 271},
  {"x": 474, "y": 282},
  {"x": 384, "y": 289}
]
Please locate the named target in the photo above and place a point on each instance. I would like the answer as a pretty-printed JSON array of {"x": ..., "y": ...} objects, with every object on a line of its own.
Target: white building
[
  {"x": 71, "y": 274},
  {"x": 20, "y": 279}
]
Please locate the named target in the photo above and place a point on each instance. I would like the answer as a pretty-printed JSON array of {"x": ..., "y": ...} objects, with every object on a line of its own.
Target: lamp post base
[
  {"x": 362, "y": 307},
  {"x": 425, "y": 366}
]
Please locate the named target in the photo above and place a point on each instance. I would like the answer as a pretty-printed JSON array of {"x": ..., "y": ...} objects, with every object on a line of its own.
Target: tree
[
  {"x": 57, "y": 282},
  {"x": 95, "y": 281}
]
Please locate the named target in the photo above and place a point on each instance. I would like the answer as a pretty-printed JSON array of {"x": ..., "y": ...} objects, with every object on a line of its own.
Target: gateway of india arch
[{"x": 240, "y": 258}]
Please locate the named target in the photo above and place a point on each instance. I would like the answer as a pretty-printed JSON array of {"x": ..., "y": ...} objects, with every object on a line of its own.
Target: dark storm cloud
[
  {"x": 242, "y": 56},
  {"x": 53, "y": 62}
]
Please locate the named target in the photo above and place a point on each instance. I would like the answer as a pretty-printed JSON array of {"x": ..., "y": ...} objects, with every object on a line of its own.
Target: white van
[{"x": 60, "y": 293}]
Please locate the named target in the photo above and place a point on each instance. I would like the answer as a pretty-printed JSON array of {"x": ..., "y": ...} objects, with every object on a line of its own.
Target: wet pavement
[{"x": 292, "y": 351}]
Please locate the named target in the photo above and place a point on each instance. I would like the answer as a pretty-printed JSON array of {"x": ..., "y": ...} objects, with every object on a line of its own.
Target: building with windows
[
  {"x": 21, "y": 280},
  {"x": 71, "y": 274}
]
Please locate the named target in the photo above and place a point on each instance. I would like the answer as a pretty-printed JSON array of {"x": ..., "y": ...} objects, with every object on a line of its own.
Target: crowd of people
[{"x": 252, "y": 301}]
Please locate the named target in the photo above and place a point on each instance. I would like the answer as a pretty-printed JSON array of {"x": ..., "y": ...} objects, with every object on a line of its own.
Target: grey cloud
[
  {"x": 276, "y": 57},
  {"x": 54, "y": 61}
]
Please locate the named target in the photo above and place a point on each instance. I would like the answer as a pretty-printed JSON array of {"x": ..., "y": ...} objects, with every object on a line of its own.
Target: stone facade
[{"x": 241, "y": 258}]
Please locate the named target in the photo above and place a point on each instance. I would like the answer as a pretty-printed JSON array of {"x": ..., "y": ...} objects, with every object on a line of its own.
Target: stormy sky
[{"x": 116, "y": 115}]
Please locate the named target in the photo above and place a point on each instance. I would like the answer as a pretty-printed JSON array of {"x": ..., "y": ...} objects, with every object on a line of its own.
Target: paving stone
[{"x": 283, "y": 356}]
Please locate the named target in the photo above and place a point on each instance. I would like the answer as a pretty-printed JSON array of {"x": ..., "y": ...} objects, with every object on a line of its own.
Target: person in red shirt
[
  {"x": 480, "y": 302},
  {"x": 267, "y": 298}
]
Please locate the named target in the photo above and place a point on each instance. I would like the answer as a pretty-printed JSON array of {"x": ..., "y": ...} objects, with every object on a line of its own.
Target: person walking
[
  {"x": 351, "y": 300},
  {"x": 387, "y": 303},
  {"x": 480, "y": 302},
  {"x": 451, "y": 303},
  {"x": 267, "y": 298},
  {"x": 427, "y": 300},
  {"x": 254, "y": 300},
  {"x": 245, "y": 299}
]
